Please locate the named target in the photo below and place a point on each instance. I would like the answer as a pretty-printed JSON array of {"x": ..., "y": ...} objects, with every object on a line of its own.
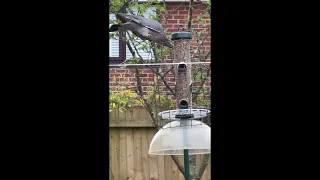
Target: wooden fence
[{"x": 130, "y": 136}]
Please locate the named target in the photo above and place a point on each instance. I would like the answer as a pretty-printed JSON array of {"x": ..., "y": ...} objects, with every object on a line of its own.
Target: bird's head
[
  {"x": 161, "y": 38},
  {"x": 168, "y": 44}
]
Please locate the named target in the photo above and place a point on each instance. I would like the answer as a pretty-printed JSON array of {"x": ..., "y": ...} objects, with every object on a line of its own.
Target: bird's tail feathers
[{"x": 114, "y": 27}]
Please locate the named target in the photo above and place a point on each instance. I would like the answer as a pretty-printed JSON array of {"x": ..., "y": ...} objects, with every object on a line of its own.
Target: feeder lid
[{"x": 181, "y": 35}]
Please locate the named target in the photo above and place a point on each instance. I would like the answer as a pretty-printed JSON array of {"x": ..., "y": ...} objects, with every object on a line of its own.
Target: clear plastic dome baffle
[{"x": 173, "y": 138}]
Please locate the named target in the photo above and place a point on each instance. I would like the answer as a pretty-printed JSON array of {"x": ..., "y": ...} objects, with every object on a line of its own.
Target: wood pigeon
[{"x": 145, "y": 29}]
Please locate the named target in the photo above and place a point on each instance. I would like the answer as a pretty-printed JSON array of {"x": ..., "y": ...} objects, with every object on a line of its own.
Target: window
[
  {"x": 117, "y": 48},
  {"x": 119, "y": 51}
]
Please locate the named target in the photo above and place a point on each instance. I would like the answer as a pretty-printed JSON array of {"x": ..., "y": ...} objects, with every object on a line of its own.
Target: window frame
[{"x": 122, "y": 54}]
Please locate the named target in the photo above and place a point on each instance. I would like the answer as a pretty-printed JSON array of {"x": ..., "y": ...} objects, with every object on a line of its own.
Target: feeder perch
[
  {"x": 183, "y": 104},
  {"x": 182, "y": 67}
]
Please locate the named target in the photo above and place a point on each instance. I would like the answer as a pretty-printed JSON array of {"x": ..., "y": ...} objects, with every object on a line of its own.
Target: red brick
[
  {"x": 114, "y": 75},
  {"x": 132, "y": 79},
  {"x": 150, "y": 75},
  {"x": 120, "y": 71},
  {"x": 170, "y": 7},
  {"x": 197, "y": 12},
  {"x": 183, "y": 12},
  {"x": 169, "y": 26},
  {"x": 148, "y": 79},
  {"x": 206, "y": 44},
  {"x": 181, "y": 8},
  {"x": 129, "y": 75},
  {"x": 179, "y": 17},
  {"x": 172, "y": 21},
  {"x": 171, "y": 30},
  {"x": 171, "y": 16},
  {"x": 182, "y": 21},
  {"x": 169, "y": 75},
  {"x": 167, "y": 78},
  {"x": 176, "y": 26},
  {"x": 147, "y": 71},
  {"x": 120, "y": 79}
]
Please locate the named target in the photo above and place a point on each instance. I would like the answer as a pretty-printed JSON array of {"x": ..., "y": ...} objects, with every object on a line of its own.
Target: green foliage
[
  {"x": 132, "y": 60},
  {"x": 114, "y": 35},
  {"x": 159, "y": 7},
  {"x": 202, "y": 101},
  {"x": 123, "y": 100},
  {"x": 115, "y": 5},
  {"x": 144, "y": 47},
  {"x": 158, "y": 101}
]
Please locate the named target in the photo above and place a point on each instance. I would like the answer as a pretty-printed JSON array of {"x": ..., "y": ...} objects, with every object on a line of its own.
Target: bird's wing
[
  {"x": 145, "y": 22},
  {"x": 152, "y": 25}
]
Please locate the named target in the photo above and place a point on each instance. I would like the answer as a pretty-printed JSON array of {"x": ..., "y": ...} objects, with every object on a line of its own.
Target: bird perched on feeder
[{"x": 144, "y": 28}]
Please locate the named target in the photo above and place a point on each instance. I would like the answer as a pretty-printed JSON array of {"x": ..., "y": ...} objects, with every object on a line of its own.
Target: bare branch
[
  {"x": 166, "y": 15},
  {"x": 203, "y": 80},
  {"x": 163, "y": 80},
  {"x": 178, "y": 163},
  {"x": 130, "y": 49},
  {"x": 203, "y": 166},
  {"x": 190, "y": 14},
  {"x": 200, "y": 45}
]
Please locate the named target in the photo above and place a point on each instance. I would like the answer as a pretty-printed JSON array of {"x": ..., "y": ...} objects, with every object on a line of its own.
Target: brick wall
[{"x": 178, "y": 14}]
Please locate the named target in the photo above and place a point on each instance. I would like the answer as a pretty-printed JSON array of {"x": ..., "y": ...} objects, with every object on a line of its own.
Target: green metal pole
[{"x": 186, "y": 164}]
